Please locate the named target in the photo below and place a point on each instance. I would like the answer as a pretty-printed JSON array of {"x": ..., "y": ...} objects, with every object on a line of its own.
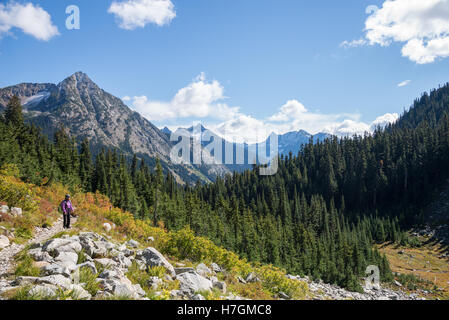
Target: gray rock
[
  {"x": 44, "y": 291},
  {"x": 193, "y": 282},
  {"x": 175, "y": 294},
  {"x": 38, "y": 255},
  {"x": 241, "y": 280},
  {"x": 153, "y": 258},
  {"x": 216, "y": 268},
  {"x": 51, "y": 246},
  {"x": 4, "y": 209},
  {"x": 203, "y": 270},
  {"x": 154, "y": 282},
  {"x": 198, "y": 297},
  {"x": 109, "y": 274},
  {"x": 105, "y": 262},
  {"x": 283, "y": 295},
  {"x": 132, "y": 243},
  {"x": 16, "y": 212},
  {"x": 220, "y": 285},
  {"x": 67, "y": 259},
  {"x": 252, "y": 277},
  {"x": 127, "y": 252},
  {"x": 122, "y": 261},
  {"x": 79, "y": 292},
  {"x": 184, "y": 269},
  {"x": 57, "y": 280},
  {"x": 150, "y": 239},
  {"x": 107, "y": 227},
  {"x": 53, "y": 269},
  {"x": 4, "y": 242}
]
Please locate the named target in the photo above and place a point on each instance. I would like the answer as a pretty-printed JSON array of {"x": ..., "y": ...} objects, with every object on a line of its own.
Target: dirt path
[{"x": 40, "y": 235}]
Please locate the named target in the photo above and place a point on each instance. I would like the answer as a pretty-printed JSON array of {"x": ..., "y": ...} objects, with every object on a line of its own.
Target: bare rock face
[{"x": 87, "y": 111}]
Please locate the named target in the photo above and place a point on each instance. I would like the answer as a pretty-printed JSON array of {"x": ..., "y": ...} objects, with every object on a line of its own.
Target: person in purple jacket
[{"x": 67, "y": 209}]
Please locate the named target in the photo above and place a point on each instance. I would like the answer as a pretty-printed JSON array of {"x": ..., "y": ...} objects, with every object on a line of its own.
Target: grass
[
  {"x": 421, "y": 268},
  {"x": 89, "y": 278},
  {"x": 25, "y": 266},
  {"x": 157, "y": 271}
]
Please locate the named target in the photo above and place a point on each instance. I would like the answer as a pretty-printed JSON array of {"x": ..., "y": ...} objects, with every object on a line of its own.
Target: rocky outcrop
[{"x": 324, "y": 291}]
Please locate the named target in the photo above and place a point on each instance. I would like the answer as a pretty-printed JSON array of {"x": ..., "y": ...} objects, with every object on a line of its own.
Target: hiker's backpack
[{"x": 60, "y": 207}]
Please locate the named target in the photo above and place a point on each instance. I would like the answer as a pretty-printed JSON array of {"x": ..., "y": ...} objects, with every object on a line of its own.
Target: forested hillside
[{"x": 319, "y": 215}]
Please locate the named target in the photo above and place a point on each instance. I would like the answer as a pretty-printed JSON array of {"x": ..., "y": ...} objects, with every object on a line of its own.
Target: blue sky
[{"x": 235, "y": 64}]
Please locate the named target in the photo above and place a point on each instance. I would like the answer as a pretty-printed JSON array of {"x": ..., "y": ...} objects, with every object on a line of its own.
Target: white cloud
[
  {"x": 132, "y": 14},
  {"x": 30, "y": 18},
  {"x": 202, "y": 99},
  {"x": 293, "y": 116},
  {"x": 353, "y": 43},
  {"x": 421, "y": 26},
  {"x": 199, "y": 99},
  {"x": 404, "y": 83}
]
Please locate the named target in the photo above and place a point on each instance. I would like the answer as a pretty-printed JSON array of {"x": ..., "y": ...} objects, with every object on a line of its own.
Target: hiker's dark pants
[{"x": 66, "y": 220}]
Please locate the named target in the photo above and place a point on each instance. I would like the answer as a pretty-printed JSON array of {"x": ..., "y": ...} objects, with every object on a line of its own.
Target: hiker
[{"x": 67, "y": 210}]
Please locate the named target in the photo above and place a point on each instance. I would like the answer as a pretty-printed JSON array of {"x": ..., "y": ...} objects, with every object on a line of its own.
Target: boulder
[
  {"x": 4, "y": 209},
  {"x": 123, "y": 249},
  {"x": 105, "y": 262},
  {"x": 44, "y": 291},
  {"x": 53, "y": 269},
  {"x": 132, "y": 243},
  {"x": 203, "y": 270},
  {"x": 56, "y": 246},
  {"x": 79, "y": 292},
  {"x": 193, "y": 282},
  {"x": 88, "y": 245},
  {"x": 16, "y": 212},
  {"x": 216, "y": 268},
  {"x": 122, "y": 261},
  {"x": 184, "y": 269},
  {"x": 122, "y": 287},
  {"x": 4, "y": 242},
  {"x": 153, "y": 258},
  {"x": 67, "y": 259},
  {"x": 252, "y": 277},
  {"x": 198, "y": 297},
  {"x": 56, "y": 280},
  {"x": 38, "y": 255},
  {"x": 220, "y": 285},
  {"x": 107, "y": 227},
  {"x": 109, "y": 274}
]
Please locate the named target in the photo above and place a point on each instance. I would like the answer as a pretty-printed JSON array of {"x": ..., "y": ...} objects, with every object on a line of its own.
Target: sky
[{"x": 241, "y": 68}]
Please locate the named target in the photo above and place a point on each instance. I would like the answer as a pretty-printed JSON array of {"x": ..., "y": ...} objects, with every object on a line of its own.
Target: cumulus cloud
[
  {"x": 29, "y": 18},
  {"x": 404, "y": 83},
  {"x": 199, "y": 99},
  {"x": 203, "y": 99},
  {"x": 132, "y": 14},
  {"x": 293, "y": 116},
  {"x": 421, "y": 26}
]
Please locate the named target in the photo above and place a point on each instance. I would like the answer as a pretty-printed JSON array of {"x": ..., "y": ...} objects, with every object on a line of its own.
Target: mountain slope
[{"x": 87, "y": 111}]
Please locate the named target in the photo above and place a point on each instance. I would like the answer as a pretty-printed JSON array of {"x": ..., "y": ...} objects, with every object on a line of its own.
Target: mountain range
[{"x": 84, "y": 110}]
